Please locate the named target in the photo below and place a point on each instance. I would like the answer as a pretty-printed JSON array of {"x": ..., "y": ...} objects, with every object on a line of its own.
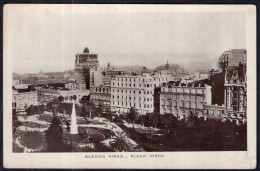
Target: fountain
[{"x": 73, "y": 123}]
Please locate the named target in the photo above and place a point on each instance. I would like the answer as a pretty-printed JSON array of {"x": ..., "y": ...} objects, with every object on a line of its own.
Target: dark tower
[{"x": 167, "y": 66}]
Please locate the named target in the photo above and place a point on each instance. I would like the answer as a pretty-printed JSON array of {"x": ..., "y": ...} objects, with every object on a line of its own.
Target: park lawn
[
  {"x": 33, "y": 140},
  {"x": 16, "y": 148},
  {"x": 46, "y": 117},
  {"x": 34, "y": 125}
]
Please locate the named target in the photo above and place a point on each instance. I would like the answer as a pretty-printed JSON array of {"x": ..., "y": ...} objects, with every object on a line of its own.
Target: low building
[
  {"x": 215, "y": 111},
  {"x": 22, "y": 100},
  {"x": 75, "y": 86},
  {"x": 47, "y": 93},
  {"x": 101, "y": 96},
  {"x": 21, "y": 86},
  {"x": 181, "y": 100}
]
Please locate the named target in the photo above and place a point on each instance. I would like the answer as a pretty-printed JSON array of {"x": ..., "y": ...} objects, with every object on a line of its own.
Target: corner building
[{"x": 182, "y": 99}]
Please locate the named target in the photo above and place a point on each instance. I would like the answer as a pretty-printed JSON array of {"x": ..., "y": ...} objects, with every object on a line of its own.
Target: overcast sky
[{"x": 48, "y": 38}]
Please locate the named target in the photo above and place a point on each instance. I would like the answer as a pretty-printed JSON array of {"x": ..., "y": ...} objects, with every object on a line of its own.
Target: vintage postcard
[{"x": 129, "y": 86}]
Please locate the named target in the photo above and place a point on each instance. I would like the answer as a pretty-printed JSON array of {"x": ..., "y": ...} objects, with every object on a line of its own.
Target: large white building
[{"x": 134, "y": 91}]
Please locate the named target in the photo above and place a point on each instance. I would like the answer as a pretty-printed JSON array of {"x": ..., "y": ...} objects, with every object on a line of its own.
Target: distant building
[
  {"x": 215, "y": 111},
  {"x": 101, "y": 96},
  {"x": 21, "y": 86},
  {"x": 134, "y": 91},
  {"x": 87, "y": 69},
  {"x": 47, "y": 93},
  {"x": 110, "y": 74},
  {"x": 21, "y": 100},
  {"x": 183, "y": 99},
  {"x": 75, "y": 86},
  {"x": 36, "y": 81},
  {"x": 14, "y": 82},
  {"x": 231, "y": 58},
  {"x": 201, "y": 75}
]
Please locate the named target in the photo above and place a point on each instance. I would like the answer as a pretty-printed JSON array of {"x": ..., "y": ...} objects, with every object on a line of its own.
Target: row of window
[
  {"x": 178, "y": 90},
  {"x": 100, "y": 97},
  {"x": 183, "y": 104},
  {"x": 133, "y": 91},
  {"x": 103, "y": 90},
  {"x": 183, "y": 97},
  {"x": 126, "y": 104},
  {"x": 134, "y": 85},
  {"x": 130, "y": 98},
  {"x": 139, "y": 79}
]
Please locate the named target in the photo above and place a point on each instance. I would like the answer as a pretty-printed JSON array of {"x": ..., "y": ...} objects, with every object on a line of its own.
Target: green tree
[
  {"x": 41, "y": 109},
  {"x": 153, "y": 118},
  {"x": 88, "y": 105},
  {"x": 53, "y": 106},
  {"x": 30, "y": 110},
  {"x": 142, "y": 119},
  {"x": 74, "y": 97},
  {"x": 132, "y": 115},
  {"x": 61, "y": 99},
  {"x": 166, "y": 120},
  {"x": 54, "y": 136},
  {"x": 98, "y": 111},
  {"x": 16, "y": 122}
]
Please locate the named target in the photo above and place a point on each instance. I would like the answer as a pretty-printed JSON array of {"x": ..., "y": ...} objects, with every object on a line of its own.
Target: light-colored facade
[
  {"x": 22, "y": 100},
  {"x": 75, "y": 86},
  {"x": 21, "y": 86},
  {"x": 134, "y": 91},
  {"x": 47, "y": 94},
  {"x": 101, "y": 96},
  {"x": 181, "y": 99}
]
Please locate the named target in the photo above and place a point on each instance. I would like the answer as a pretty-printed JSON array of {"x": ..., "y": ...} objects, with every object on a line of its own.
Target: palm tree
[
  {"x": 54, "y": 136},
  {"x": 55, "y": 104},
  {"x": 88, "y": 105},
  {"x": 167, "y": 120},
  {"x": 119, "y": 142}
]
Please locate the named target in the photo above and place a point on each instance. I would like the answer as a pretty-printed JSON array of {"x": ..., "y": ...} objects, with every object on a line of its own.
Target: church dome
[{"x": 86, "y": 50}]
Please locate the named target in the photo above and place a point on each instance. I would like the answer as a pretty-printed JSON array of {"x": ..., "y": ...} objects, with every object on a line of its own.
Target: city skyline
[{"x": 50, "y": 39}]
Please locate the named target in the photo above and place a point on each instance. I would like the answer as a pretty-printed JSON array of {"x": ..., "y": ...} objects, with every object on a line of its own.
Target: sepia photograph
[{"x": 121, "y": 79}]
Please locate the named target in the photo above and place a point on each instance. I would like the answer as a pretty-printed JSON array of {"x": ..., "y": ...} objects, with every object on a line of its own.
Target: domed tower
[{"x": 86, "y": 50}]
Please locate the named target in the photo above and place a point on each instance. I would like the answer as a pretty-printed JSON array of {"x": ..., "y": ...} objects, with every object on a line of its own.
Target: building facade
[
  {"x": 47, "y": 94},
  {"x": 87, "y": 70},
  {"x": 236, "y": 92},
  {"x": 183, "y": 99},
  {"x": 22, "y": 100},
  {"x": 101, "y": 97},
  {"x": 134, "y": 91},
  {"x": 75, "y": 86}
]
